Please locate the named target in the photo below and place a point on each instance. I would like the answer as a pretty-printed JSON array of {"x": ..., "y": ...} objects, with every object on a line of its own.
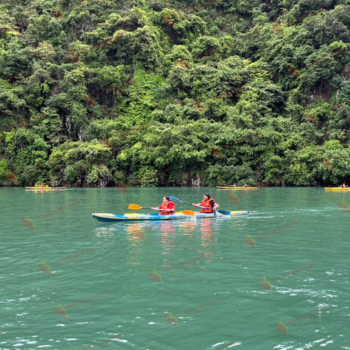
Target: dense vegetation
[{"x": 150, "y": 93}]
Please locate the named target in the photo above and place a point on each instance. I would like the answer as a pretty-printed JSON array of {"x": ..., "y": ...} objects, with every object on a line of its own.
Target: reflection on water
[
  {"x": 168, "y": 233},
  {"x": 187, "y": 227},
  {"x": 135, "y": 233},
  {"x": 103, "y": 239}
]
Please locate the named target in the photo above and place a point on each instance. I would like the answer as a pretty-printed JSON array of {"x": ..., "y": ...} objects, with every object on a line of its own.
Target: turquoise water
[{"x": 205, "y": 284}]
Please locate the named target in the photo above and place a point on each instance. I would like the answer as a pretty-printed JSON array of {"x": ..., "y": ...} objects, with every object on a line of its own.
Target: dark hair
[
  {"x": 207, "y": 194},
  {"x": 167, "y": 198}
]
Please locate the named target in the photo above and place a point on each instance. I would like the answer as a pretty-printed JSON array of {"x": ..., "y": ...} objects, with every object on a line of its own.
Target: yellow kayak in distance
[
  {"x": 337, "y": 189},
  {"x": 44, "y": 188},
  {"x": 235, "y": 188}
]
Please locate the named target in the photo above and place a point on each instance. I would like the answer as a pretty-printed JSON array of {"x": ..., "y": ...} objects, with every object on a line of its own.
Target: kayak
[
  {"x": 337, "y": 189},
  {"x": 105, "y": 217},
  {"x": 212, "y": 215},
  {"x": 236, "y": 188},
  {"x": 45, "y": 188}
]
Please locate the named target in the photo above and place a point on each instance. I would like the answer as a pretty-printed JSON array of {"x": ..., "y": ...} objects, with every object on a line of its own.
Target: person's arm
[
  {"x": 156, "y": 208},
  {"x": 196, "y": 205},
  {"x": 214, "y": 205}
]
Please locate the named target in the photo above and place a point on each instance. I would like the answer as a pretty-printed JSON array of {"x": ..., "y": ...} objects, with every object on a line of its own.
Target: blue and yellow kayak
[{"x": 105, "y": 217}]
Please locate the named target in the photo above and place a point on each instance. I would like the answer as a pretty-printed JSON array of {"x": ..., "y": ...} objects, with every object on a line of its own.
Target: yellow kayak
[
  {"x": 337, "y": 189},
  {"x": 45, "y": 188},
  {"x": 236, "y": 188}
]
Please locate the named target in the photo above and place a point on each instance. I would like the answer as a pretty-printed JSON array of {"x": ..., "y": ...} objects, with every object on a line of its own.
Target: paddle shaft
[
  {"x": 156, "y": 209},
  {"x": 191, "y": 204}
]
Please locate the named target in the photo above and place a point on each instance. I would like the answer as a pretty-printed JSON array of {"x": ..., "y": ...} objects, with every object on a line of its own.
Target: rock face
[
  {"x": 196, "y": 180},
  {"x": 188, "y": 179},
  {"x": 6, "y": 183},
  {"x": 310, "y": 100}
]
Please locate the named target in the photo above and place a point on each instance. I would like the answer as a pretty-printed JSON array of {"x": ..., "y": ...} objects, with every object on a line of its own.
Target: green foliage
[{"x": 101, "y": 92}]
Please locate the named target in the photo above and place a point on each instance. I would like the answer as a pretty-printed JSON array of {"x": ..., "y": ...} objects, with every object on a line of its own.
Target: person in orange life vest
[
  {"x": 208, "y": 203},
  {"x": 42, "y": 185},
  {"x": 168, "y": 205}
]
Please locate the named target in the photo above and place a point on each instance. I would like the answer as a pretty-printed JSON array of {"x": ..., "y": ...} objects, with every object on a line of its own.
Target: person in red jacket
[
  {"x": 208, "y": 203},
  {"x": 168, "y": 205}
]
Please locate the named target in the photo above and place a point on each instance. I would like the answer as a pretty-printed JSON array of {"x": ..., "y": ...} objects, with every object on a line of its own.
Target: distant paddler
[
  {"x": 167, "y": 208},
  {"x": 208, "y": 204},
  {"x": 343, "y": 186},
  {"x": 41, "y": 185}
]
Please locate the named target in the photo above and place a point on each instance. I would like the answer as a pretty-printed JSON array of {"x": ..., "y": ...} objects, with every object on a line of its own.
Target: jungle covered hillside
[{"x": 147, "y": 93}]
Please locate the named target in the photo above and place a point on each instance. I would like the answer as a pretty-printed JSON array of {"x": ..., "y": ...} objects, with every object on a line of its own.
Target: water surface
[{"x": 277, "y": 279}]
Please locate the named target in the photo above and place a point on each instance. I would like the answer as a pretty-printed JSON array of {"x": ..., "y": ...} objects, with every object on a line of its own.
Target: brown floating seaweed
[
  {"x": 281, "y": 327},
  {"x": 61, "y": 311},
  {"x": 264, "y": 283},
  {"x": 170, "y": 318},
  {"x": 155, "y": 276},
  {"x": 45, "y": 268},
  {"x": 248, "y": 240}
]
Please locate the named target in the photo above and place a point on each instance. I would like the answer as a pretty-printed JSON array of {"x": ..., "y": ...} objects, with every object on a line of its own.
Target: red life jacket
[
  {"x": 166, "y": 206},
  {"x": 208, "y": 208}
]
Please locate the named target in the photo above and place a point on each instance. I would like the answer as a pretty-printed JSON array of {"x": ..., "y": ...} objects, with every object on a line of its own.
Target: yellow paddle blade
[
  {"x": 188, "y": 212},
  {"x": 134, "y": 207}
]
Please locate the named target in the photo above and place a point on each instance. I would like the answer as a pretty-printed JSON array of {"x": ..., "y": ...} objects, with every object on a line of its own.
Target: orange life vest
[
  {"x": 208, "y": 208},
  {"x": 166, "y": 206}
]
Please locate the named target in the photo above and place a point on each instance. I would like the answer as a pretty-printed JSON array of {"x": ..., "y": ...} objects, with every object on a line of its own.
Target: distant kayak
[
  {"x": 106, "y": 217},
  {"x": 236, "y": 188},
  {"x": 337, "y": 189},
  {"x": 45, "y": 188}
]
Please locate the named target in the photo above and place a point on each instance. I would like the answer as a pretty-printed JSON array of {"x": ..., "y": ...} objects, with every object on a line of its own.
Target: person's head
[
  {"x": 166, "y": 199},
  {"x": 206, "y": 196}
]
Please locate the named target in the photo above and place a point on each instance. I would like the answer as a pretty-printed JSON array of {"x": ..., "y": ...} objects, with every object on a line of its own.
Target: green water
[{"x": 106, "y": 291}]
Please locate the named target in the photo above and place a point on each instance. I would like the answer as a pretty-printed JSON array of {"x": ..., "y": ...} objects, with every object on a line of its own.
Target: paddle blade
[
  {"x": 224, "y": 212},
  {"x": 188, "y": 212},
  {"x": 134, "y": 207},
  {"x": 174, "y": 199}
]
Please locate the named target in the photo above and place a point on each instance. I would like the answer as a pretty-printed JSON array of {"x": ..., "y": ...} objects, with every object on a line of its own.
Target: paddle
[
  {"x": 224, "y": 212},
  {"x": 137, "y": 207},
  {"x": 175, "y": 199}
]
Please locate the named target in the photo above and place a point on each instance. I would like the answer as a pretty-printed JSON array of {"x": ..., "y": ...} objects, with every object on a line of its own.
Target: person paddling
[
  {"x": 208, "y": 203},
  {"x": 343, "y": 186},
  {"x": 167, "y": 208}
]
